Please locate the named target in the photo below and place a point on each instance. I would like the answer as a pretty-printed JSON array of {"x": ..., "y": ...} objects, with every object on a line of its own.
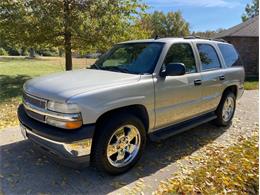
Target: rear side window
[
  {"x": 208, "y": 56},
  {"x": 230, "y": 55},
  {"x": 181, "y": 53}
]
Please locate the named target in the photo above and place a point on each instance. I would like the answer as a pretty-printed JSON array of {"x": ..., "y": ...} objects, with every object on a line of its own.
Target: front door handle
[
  {"x": 197, "y": 82},
  {"x": 222, "y": 77}
]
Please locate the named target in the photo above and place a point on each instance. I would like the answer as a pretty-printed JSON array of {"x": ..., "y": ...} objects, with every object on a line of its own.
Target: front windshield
[{"x": 133, "y": 58}]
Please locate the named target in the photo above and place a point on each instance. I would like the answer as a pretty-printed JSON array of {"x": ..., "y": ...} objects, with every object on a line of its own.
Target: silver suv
[{"x": 141, "y": 89}]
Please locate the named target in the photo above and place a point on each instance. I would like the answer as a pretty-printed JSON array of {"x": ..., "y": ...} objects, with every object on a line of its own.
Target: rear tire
[
  {"x": 114, "y": 148},
  {"x": 226, "y": 109}
]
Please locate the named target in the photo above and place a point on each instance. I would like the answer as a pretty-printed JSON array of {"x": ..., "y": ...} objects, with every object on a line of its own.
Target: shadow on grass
[
  {"x": 25, "y": 170},
  {"x": 11, "y": 86}
]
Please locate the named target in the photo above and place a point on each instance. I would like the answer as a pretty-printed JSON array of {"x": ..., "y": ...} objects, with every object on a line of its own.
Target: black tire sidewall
[
  {"x": 219, "y": 120},
  {"x": 105, "y": 133}
]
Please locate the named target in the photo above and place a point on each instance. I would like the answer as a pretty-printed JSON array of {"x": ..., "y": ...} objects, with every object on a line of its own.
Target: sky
[{"x": 204, "y": 15}]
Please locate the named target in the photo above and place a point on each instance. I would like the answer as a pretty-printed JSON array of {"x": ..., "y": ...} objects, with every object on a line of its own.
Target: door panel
[
  {"x": 212, "y": 76},
  {"x": 212, "y": 88},
  {"x": 177, "y": 99}
]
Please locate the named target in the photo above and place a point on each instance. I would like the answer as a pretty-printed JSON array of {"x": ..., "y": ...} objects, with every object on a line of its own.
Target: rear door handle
[
  {"x": 222, "y": 77},
  {"x": 197, "y": 82}
]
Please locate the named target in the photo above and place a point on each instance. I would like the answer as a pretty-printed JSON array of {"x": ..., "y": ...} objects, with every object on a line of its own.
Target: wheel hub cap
[
  {"x": 123, "y": 146},
  {"x": 228, "y": 109}
]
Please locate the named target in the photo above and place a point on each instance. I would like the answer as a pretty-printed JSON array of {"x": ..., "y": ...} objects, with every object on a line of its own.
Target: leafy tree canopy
[
  {"x": 171, "y": 24},
  {"x": 251, "y": 10},
  {"x": 70, "y": 24}
]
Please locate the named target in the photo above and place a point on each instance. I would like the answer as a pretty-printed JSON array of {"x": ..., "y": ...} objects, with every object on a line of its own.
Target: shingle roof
[{"x": 249, "y": 28}]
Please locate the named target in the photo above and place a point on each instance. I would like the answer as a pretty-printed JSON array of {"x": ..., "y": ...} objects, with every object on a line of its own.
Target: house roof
[{"x": 249, "y": 28}]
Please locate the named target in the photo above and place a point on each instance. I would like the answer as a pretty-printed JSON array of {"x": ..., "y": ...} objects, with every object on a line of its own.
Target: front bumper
[{"x": 71, "y": 147}]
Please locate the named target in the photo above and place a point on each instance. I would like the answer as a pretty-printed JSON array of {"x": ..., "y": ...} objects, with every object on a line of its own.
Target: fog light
[{"x": 79, "y": 148}]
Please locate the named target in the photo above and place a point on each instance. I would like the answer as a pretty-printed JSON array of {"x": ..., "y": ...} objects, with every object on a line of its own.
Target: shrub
[{"x": 3, "y": 52}]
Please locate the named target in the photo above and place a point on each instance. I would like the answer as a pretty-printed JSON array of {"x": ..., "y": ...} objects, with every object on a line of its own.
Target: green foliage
[
  {"x": 171, "y": 24},
  {"x": 251, "y": 10},
  {"x": 207, "y": 34},
  {"x": 3, "y": 52},
  {"x": 83, "y": 24},
  {"x": 233, "y": 170}
]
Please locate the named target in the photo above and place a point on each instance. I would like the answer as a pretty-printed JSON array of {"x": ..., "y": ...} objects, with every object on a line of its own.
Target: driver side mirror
[{"x": 173, "y": 69}]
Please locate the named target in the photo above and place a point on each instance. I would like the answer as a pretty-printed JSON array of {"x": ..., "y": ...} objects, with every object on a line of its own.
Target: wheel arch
[
  {"x": 137, "y": 110},
  {"x": 232, "y": 88}
]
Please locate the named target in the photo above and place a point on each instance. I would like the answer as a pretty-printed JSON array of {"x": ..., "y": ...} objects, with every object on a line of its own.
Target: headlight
[
  {"x": 68, "y": 115},
  {"x": 62, "y": 107}
]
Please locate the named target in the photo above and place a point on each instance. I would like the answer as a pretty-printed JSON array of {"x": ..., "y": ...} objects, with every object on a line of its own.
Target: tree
[
  {"x": 71, "y": 24},
  {"x": 251, "y": 10},
  {"x": 207, "y": 34},
  {"x": 171, "y": 24}
]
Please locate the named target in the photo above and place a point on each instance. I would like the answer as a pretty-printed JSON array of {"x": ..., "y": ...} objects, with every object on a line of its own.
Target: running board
[{"x": 180, "y": 127}]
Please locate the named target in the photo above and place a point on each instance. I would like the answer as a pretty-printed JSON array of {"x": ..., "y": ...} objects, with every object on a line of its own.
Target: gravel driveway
[{"x": 25, "y": 171}]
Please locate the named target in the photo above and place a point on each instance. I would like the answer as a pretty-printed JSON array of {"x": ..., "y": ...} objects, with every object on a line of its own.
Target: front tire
[
  {"x": 119, "y": 144},
  {"x": 226, "y": 109}
]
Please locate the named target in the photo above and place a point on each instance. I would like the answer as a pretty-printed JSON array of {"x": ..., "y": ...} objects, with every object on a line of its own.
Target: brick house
[{"x": 245, "y": 37}]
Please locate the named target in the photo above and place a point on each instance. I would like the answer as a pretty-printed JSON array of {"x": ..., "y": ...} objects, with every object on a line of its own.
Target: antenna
[{"x": 156, "y": 37}]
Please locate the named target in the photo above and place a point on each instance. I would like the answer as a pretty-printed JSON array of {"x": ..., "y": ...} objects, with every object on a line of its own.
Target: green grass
[
  {"x": 232, "y": 170},
  {"x": 251, "y": 84},
  {"x": 14, "y": 71}
]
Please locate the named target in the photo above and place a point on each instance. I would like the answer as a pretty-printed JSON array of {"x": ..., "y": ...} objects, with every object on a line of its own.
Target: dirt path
[{"x": 25, "y": 171}]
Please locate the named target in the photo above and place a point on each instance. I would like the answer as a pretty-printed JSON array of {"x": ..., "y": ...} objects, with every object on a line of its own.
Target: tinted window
[
  {"x": 230, "y": 55},
  {"x": 208, "y": 56},
  {"x": 135, "y": 58},
  {"x": 181, "y": 53}
]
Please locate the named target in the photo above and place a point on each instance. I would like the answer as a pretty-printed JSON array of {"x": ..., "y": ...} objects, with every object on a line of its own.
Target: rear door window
[
  {"x": 208, "y": 57},
  {"x": 230, "y": 55}
]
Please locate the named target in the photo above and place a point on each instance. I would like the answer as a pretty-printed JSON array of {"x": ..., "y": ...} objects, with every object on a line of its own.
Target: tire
[
  {"x": 113, "y": 131},
  {"x": 222, "y": 120}
]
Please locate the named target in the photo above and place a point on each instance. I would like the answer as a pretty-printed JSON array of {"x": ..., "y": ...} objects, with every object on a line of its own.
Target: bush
[{"x": 3, "y": 52}]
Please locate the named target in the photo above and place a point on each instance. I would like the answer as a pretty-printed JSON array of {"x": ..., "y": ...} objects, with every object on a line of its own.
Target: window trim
[
  {"x": 219, "y": 60},
  {"x": 194, "y": 56}
]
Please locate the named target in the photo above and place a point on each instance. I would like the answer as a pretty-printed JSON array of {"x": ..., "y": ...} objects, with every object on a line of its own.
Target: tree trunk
[
  {"x": 31, "y": 54},
  {"x": 67, "y": 35}
]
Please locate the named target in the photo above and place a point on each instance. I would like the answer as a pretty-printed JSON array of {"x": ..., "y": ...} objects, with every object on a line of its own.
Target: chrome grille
[
  {"x": 40, "y": 103},
  {"x": 30, "y": 101}
]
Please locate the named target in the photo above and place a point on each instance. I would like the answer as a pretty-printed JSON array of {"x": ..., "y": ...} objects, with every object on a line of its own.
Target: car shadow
[
  {"x": 12, "y": 86},
  {"x": 26, "y": 171}
]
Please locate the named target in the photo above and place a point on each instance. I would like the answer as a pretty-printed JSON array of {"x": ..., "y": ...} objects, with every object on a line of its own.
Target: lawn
[
  {"x": 14, "y": 71},
  {"x": 251, "y": 84}
]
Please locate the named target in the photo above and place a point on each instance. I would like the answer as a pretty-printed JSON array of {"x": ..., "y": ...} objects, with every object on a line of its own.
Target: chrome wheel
[
  {"x": 228, "y": 109},
  {"x": 123, "y": 146}
]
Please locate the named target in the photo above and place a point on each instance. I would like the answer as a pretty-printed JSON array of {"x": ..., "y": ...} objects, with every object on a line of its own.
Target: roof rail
[
  {"x": 219, "y": 39},
  {"x": 192, "y": 37}
]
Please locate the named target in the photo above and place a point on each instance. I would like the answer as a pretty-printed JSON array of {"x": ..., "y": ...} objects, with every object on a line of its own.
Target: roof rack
[
  {"x": 192, "y": 37},
  {"x": 218, "y": 39}
]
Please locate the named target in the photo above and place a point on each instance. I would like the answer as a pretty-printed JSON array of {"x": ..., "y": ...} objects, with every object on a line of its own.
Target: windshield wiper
[
  {"x": 116, "y": 68},
  {"x": 94, "y": 66}
]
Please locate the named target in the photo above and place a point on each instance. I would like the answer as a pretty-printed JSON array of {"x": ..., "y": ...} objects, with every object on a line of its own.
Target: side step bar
[{"x": 181, "y": 127}]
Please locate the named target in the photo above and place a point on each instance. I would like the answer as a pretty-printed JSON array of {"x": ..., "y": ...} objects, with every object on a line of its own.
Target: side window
[
  {"x": 230, "y": 55},
  {"x": 208, "y": 56},
  {"x": 181, "y": 53}
]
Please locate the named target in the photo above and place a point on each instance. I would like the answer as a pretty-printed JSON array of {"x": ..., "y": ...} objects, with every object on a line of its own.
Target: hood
[{"x": 61, "y": 86}]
